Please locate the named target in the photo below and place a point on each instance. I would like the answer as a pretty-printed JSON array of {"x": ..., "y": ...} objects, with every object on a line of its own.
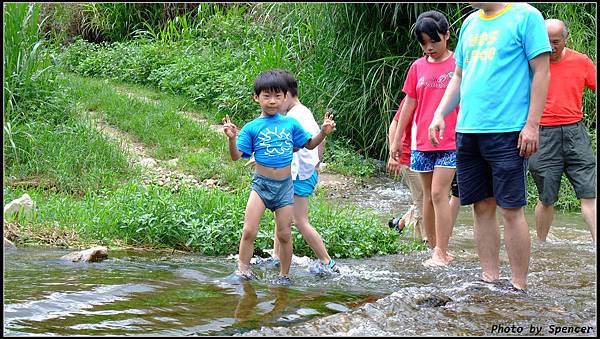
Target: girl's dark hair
[
  {"x": 291, "y": 81},
  {"x": 272, "y": 81},
  {"x": 431, "y": 23}
]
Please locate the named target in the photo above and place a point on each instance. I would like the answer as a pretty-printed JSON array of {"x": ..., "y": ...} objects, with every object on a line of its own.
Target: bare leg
[
  {"x": 310, "y": 235},
  {"x": 416, "y": 192},
  {"x": 276, "y": 247},
  {"x": 454, "y": 207},
  {"x": 428, "y": 212},
  {"x": 254, "y": 211},
  {"x": 441, "y": 179},
  {"x": 487, "y": 238},
  {"x": 518, "y": 244},
  {"x": 588, "y": 209},
  {"x": 544, "y": 214},
  {"x": 283, "y": 220}
]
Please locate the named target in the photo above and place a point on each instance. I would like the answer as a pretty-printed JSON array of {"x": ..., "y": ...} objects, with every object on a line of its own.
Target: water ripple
[{"x": 61, "y": 304}]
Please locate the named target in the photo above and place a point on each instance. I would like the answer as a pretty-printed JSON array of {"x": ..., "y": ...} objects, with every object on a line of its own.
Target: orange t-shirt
[{"x": 568, "y": 77}]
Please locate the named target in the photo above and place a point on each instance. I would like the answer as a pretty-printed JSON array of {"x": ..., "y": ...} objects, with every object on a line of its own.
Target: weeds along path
[
  {"x": 154, "y": 171},
  {"x": 189, "y": 115},
  {"x": 168, "y": 172}
]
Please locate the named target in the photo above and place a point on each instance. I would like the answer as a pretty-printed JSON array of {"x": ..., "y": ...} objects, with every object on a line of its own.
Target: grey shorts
[
  {"x": 564, "y": 149},
  {"x": 275, "y": 193}
]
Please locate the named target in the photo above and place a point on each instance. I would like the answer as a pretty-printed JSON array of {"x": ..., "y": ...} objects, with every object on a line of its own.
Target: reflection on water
[
  {"x": 134, "y": 293},
  {"x": 142, "y": 293}
]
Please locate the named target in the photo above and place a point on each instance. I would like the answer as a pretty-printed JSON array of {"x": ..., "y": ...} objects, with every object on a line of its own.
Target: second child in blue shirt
[{"x": 271, "y": 138}]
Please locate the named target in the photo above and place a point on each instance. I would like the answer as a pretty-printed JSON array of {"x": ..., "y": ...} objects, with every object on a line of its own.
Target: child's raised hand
[
  {"x": 328, "y": 123},
  {"x": 229, "y": 128}
]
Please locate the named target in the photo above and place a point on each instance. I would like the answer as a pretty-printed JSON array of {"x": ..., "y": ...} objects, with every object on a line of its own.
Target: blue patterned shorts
[{"x": 425, "y": 161}]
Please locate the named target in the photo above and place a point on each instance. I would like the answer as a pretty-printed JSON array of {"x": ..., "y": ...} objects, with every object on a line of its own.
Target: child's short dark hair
[
  {"x": 291, "y": 81},
  {"x": 431, "y": 23},
  {"x": 271, "y": 80}
]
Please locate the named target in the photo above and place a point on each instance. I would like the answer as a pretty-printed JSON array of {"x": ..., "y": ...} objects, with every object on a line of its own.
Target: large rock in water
[
  {"x": 94, "y": 254},
  {"x": 19, "y": 207}
]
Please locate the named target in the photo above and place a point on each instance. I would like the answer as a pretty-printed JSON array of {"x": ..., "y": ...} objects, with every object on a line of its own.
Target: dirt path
[
  {"x": 154, "y": 171},
  {"x": 164, "y": 172}
]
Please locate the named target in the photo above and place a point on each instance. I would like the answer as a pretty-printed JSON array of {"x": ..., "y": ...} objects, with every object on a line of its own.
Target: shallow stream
[{"x": 150, "y": 293}]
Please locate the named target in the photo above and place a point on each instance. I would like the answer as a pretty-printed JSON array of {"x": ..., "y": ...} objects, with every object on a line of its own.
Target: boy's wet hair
[
  {"x": 431, "y": 23},
  {"x": 270, "y": 81},
  {"x": 291, "y": 81}
]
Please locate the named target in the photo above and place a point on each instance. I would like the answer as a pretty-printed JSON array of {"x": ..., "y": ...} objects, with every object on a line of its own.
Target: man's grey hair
[{"x": 565, "y": 32}]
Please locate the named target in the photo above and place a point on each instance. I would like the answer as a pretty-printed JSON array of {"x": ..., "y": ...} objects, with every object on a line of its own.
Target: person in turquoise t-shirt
[
  {"x": 501, "y": 82},
  {"x": 271, "y": 138}
]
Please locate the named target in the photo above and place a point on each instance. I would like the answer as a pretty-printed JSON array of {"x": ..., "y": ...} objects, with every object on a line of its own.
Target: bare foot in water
[
  {"x": 438, "y": 259},
  {"x": 489, "y": 278},
  {"x": 432, "y": 262}
]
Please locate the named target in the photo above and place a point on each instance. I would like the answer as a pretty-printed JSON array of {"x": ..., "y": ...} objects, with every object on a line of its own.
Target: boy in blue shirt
[{"x": 271, "y": 138}]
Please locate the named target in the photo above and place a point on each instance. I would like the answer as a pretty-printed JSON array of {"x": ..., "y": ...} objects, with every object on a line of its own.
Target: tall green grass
[
  {"x": 44, "y": 145},
  {"x": 24, "y": 61}
]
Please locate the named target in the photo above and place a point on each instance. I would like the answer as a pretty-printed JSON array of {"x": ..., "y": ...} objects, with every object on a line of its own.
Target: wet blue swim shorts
[{"x": 275, "y": 193}]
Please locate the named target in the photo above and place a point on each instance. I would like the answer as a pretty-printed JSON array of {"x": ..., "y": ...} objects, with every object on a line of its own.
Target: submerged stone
[{"x": 435, "y": 300}]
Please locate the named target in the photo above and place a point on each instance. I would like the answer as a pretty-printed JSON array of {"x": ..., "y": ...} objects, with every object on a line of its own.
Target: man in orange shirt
[{"x": 564, "y": 142}]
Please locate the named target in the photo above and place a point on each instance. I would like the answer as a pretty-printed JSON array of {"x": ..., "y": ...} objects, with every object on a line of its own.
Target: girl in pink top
[{"x": 424, "y": 86}]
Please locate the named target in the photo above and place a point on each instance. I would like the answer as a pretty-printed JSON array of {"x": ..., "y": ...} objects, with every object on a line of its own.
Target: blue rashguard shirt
[
  {"x": 494, "y": 54},
  {"x": 272, "y": 140}
]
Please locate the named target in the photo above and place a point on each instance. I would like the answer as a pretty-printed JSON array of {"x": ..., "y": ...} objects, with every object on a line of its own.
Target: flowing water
[{"x": 150, "y": 293}]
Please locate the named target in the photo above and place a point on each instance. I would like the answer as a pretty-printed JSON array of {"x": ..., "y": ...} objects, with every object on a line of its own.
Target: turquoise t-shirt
[
  {"x": 272, "y": 140},
  {"x": 494, "y": 54}
]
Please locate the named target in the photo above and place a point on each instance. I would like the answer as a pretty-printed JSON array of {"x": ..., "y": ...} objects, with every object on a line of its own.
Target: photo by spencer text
[{"x": 541, "y": 330}]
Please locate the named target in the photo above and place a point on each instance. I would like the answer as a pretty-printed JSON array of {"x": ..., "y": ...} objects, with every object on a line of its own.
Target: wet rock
[
  {"x": 21, "y": 207},
  {"x": 8, "y": 245},
  {"x": 435, "y": 300},
  {"x": 94, "y": 254}
]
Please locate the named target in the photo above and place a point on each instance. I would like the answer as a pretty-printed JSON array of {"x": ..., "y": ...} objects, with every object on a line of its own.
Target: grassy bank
[{"x": 83, "y": 207}]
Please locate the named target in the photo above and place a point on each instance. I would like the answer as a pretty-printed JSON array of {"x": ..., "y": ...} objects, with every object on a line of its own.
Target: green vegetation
[
  {"x": 83, "y": 183},
  {"x": 208, "y": 221}
]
